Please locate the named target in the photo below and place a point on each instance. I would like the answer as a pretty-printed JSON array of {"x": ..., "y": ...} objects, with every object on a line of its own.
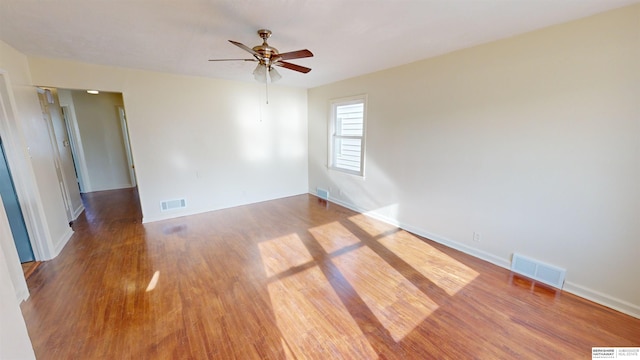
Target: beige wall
[
  {"x": 212, "y": 142},
  {"x": 531, "y": 141}
]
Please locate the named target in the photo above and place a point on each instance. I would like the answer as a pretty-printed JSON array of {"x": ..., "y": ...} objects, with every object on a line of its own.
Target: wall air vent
[
  {"x": 536, "y": 270},
  {"x": 322, "y": 193},
  {"x": 173, "y": 204}
]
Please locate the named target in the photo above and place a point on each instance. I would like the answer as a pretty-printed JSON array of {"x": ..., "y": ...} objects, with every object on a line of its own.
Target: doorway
[
  {"x": 98, "y": 136},
  {"x": 14, "y": 213}
]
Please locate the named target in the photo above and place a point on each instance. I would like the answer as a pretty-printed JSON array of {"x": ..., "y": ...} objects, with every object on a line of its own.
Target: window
[{"x": 347, "y": 135}]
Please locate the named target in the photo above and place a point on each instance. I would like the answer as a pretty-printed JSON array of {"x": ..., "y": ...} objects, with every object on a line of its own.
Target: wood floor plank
[{"x": 294, "y": 278}]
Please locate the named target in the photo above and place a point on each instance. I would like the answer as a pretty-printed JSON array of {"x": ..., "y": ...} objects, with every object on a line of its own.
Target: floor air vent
[
  {"x": 322, "y": 193},
  {"x": 173, "y": 204},
  {"x": 534, "y": 269}
]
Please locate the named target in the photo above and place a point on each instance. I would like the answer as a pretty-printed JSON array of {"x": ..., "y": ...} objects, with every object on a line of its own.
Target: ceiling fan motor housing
[{"x": 267, "y": 53}]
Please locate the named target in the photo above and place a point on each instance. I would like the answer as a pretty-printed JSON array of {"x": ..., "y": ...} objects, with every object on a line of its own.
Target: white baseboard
[
  {"x": 181, "y": 212},
  {"x": 77, "y": 212},
  {"x": 64, "y": 239},
  {"x": 480, "y": 254},
  {"x": 505, "y": 263},
  {"x": 170, "y": 215},
  {"x": 110, "y": 187},
  {"x": 602, "y": 299},
  {"x": 22, "y": 295},
  {"x": 578, "y": 290}
]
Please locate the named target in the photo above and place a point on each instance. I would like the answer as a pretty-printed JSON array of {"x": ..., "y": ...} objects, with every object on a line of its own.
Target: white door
[
  {"x": 62, "y": 153},
  {"x": 127, "y": 145}
]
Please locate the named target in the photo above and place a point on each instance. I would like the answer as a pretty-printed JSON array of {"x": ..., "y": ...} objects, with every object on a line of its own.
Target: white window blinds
[{"x": 348, "y": 136}]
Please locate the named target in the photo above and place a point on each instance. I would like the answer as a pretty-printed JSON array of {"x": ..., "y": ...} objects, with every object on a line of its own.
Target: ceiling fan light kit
[
  {"x": 260, "y": 73},
  {"x": 274, "y": 75}
]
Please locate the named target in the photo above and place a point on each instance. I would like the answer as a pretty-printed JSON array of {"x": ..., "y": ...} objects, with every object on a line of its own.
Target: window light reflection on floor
[
  {"x": 371, "y": 226},
  {"x": 333, "y": 237},
  {"x": 308, "y": 311},
  {"x": 447, "y": 273},
  {"x": 398, "y": 304},
  {"x": 153, "y": 282}
]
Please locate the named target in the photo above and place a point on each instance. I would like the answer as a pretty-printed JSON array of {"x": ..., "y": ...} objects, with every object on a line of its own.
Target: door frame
[
  {"x": 127, "y": 145},
  {"x": 18, "y": 158},
  {"x": 24, "y": 254},
  {"x": 76, "y": 146},
  {"x": 45, "y": 97}
]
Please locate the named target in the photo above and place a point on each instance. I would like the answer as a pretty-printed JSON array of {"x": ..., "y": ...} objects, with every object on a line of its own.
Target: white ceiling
[{"x": 348, "y": 37}]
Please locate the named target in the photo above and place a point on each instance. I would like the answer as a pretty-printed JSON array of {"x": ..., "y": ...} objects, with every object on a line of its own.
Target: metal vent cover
[
  {"x": 537, "y": 270},
  {"x": 322, "y": 193},
  {"x": 173, "y": 204}
]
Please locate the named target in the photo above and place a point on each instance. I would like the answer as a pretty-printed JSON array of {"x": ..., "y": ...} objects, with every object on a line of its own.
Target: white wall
[
  {"x": 102, "y": 139},
  {"x": 532, "y": 141},
  {"x": 14, "y": 339},
  {"x": 213, "y": 142},
  {"x": 28, "y": 149}
]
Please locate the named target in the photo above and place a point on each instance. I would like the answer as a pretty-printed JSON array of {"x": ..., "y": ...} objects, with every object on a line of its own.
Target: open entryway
[{"x": 98, "y": 139}]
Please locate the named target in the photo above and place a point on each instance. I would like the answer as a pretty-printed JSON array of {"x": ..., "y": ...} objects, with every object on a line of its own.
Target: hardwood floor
[
  {"x": 29, "y": 267},
  {"x": 294, "y": 278}
]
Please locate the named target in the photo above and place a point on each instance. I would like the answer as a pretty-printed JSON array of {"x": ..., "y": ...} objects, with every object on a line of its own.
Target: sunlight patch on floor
[
  {"x": 287, "y": 350},
  {"x": 447, "y": 273},
  {"x": 153, "y": 282},
  {"x": 398, "y": 304},
  {"x": 372, "y": 226},
  {"x": 309, "y": 313},
  {"x": 333, "y": 236},
  {"x": 313, "y": 320},
  {"x": 283, "y": 253}
]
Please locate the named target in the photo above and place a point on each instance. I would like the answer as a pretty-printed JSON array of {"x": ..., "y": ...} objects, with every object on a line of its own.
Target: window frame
[{"x": 333, "y": 106}]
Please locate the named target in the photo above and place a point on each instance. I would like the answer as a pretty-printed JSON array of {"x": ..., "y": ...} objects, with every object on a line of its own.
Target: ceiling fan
[{"x": 268, "y": 57}]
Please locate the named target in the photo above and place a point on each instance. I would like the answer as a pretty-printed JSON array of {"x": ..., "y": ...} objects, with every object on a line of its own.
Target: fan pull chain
[{"x": 266, "y": 87}]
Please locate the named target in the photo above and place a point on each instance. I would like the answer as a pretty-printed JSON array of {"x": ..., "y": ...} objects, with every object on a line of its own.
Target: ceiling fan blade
[
  {"x": 295, "y": 54},
  {"x": 293, "y": 67},
  {"x": 233, "y": 60},
  {"x": 245, "y": 48}
]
